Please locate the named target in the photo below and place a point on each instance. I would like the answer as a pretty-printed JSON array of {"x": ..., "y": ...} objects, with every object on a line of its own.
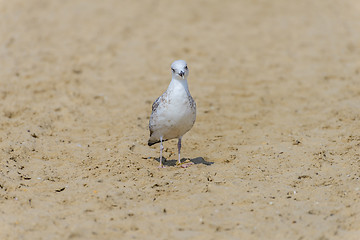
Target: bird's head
[{"x": 179, "y": 69}]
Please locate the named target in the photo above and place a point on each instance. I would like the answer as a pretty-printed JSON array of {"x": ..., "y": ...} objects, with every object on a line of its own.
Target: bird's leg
[
  {"x": 179, "y": 148},
  {"x": 187, "y": 163},
  {"x": 161, "y": 149}
]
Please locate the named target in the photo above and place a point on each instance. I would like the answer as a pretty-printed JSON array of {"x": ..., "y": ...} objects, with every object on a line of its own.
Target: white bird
[{"x": 174, "y": 112}]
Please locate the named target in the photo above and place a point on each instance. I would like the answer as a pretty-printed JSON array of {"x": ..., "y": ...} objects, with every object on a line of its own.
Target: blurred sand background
[{"x": 275, "y": 145}]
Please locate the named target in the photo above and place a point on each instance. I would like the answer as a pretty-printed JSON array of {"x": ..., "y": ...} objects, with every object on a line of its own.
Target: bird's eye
[
  {"x": 173, "y": 70},
  {"x": 186, "y": 67}
]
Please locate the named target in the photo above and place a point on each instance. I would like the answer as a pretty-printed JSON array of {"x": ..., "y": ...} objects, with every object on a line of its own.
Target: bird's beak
[{"x": 181, "y": 73}]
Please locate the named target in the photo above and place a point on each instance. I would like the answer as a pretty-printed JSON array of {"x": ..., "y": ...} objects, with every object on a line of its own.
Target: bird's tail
[{"x": 152, "y": 142}]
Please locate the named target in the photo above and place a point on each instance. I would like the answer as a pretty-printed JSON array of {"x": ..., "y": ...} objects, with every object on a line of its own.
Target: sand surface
[{"x": 275, "y": 145}]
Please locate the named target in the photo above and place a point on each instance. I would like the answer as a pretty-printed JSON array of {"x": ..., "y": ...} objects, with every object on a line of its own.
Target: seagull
[{"x": 174, "y": 112}]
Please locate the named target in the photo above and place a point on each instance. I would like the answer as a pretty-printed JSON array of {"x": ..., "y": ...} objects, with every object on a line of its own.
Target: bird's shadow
[{"x": 197, "y": 160}]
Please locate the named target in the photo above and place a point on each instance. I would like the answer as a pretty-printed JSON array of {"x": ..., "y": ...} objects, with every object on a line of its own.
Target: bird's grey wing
[
  {"x": 156, "y": 103},
  {"x": 163, "y": 98},
  {"x": 192, "y": 102},
  {"x": 154, "y": 108}
]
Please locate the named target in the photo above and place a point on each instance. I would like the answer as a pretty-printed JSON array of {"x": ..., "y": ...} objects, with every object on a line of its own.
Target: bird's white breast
[{"x": 176, "y": 113}]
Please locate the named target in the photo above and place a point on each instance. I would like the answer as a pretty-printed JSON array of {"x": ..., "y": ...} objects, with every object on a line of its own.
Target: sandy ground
[{"x": 275, "y": 145}]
